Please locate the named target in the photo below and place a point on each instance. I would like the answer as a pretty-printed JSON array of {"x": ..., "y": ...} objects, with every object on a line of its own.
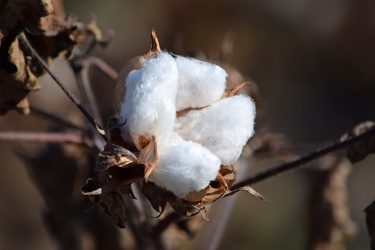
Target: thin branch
[
  {"x": 304, "y": 159},
  {"x": 45, "y": 137},
  {"x": 35, "y": 54},
  {"x": 80, "y": 69},
  {"x": 104, "y": 67}
]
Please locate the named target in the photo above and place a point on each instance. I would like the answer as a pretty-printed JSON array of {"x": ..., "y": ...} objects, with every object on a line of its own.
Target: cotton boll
[
  {"x": 199, "y": 83},
  {"x": 223, "y": 128},
  {"x": 149, "y": 105},
  {"x": 185, "y": 167}
]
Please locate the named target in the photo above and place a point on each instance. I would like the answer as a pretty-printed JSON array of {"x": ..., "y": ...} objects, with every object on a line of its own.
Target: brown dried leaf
[
  {"x": 111, "y": 187},
  {"x": 182, "y": 206},
  {"x": 117, "y": 168},
  {"x": 156, "y": 196},
  {"x": 115, "y": 136},
  {"x": 360, "y": 150},
  {"x": 17, "y": 74},
  {"x": 15, "y": 86},
  {"x": 43, "y": 23},
  {"x": 113, "y": 204},
  {"x": 91, "y": 188},
  {"x": 22, "y": 12},
  {"x": 114, "y": 155}
]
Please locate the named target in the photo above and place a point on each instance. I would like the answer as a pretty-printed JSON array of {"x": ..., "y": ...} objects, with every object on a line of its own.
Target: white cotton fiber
[
  {"x": 149, "y": 104},
  {"x": 185, "y": 167},
  {"x": 199, "y": 83},
  {"x": 223, "y": 128}
]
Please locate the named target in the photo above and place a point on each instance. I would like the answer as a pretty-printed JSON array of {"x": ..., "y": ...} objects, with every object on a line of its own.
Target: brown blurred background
[{"x": 313, "y": 61}]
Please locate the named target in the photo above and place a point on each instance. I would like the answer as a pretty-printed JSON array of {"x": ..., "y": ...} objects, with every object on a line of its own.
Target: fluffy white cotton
[
  {"x": 223, "y": 128},
  {"x": 199, "y": 83},
  {"x": 185, "y": 167},
  {"x": 149, "y": 104}
]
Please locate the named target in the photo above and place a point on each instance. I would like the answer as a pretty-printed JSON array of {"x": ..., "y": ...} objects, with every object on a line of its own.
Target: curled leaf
[
  {"x": 113, "y": 204},
  {"x": 42, "y": 23},
  {"x": 156, "y": 196}
]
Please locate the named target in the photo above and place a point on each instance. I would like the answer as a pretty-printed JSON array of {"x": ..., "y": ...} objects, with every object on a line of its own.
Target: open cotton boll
[
  {"x": 185, "y": 167},
  {"x": 223, "y": 128},
  {"x": 199, "y": 83},
  {"x": 149, "y": 105}
]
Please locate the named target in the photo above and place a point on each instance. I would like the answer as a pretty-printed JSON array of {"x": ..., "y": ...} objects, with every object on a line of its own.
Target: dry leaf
[
  {"x": 17, "y": 78},
  {"x": 113, "y": 204},
  {"x": 42, "y": 22},
  {"x": 156, "y": 196}
]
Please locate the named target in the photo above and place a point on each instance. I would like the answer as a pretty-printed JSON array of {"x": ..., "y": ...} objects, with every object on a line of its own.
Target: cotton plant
[{"x": 177, "y": 131}]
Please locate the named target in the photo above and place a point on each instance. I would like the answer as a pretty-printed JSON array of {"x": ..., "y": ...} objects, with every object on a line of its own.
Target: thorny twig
[{"x": 304, "y": 159}]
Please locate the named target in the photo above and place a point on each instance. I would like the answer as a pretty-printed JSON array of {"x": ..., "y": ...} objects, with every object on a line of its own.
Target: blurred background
[{"x": 313, "y": 61}]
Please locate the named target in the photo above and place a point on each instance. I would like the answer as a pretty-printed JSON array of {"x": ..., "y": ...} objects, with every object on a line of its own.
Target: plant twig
[
  {"x": 35, "y": 54},
  {"x": 45, "y": 137},
  {"x": 105, "y": 68},
  {"x": 80, "y": 69},
  {"x": 304, "y": 159}
]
